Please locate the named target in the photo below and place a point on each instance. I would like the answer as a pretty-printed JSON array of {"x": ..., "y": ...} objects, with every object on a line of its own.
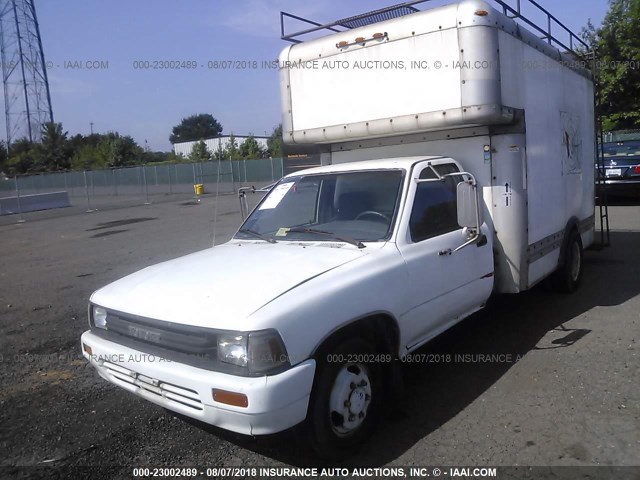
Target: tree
[
  {"x": 88, "y": 156},
  {"x": 616, "y": 45},
  {"x": 251, "y": 149},
  {"x": 106, "y": 150},
  {"x": 22, "y": 157},
  {"x": 54, "y": 149},
  {"x": 3, "y": 157},
  {"x": 219, "y": 153},
  {"x": 196, "y": 127},
  {"x": 22, "y": 162},
  {"x": 156, "y": 157},
  {"x": 119, "y": 151},
  {"x": 200, "y": 152},
  {"x": 58, "y": 152},
  {"x": 231, "y": 151},
  {"x": 78, "y": 141},
  {"x": 274, "y": 142},
  {"x": 173, "y": 157}
]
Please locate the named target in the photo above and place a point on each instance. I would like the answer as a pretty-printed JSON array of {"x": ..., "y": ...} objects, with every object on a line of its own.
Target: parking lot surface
[{"x": 536, "y": 379}]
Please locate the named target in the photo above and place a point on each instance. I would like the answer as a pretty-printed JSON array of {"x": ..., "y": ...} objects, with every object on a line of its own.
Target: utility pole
[{"x": 91, "y": 125}]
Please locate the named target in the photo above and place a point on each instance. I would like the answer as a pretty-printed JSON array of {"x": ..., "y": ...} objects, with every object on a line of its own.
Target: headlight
[
  {"x": 232, "y": 348},
  {"x": 260, "y": 352},
  {"x": 100, "y": 317}
]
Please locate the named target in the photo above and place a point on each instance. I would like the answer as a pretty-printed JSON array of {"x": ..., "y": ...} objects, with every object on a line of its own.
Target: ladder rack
[{"x": 515, "y": 12}]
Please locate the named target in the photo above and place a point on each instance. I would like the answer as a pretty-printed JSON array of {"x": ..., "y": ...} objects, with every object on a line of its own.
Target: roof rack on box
[{"x": 547, "y": 30}]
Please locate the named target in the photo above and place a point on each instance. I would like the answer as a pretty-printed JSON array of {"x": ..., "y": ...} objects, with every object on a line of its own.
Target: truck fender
[
  {"x": 572, "y": 224},
  {"x": 370, "y": 324},
  {"x": 382, "y": 330}
]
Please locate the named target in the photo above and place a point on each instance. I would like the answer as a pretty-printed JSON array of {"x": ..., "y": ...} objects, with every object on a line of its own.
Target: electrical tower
[{"x": 27, "y": 100}]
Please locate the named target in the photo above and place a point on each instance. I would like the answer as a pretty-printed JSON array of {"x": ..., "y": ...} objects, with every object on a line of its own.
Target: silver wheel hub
[
  {"x": 350, "y": 399},
  {"x": 357, "y": 401}
]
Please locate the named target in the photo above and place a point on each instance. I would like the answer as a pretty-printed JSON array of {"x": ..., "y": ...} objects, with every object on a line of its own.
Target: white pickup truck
[{"x": 428, "y": 201}]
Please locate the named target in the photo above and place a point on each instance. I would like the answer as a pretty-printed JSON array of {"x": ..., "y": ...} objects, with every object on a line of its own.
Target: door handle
[{"x": 442, "y": 253}]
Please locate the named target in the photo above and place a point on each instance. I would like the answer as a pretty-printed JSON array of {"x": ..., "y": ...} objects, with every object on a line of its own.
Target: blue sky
[{"x": 147, "y": 103}]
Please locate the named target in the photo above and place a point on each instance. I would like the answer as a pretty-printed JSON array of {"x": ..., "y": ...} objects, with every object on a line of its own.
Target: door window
[{"x": 435, "y": 208}]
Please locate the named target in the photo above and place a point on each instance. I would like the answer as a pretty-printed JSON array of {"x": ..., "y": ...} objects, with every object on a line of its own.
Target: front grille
[
  {"x": 186, "y": 344},
  {"x": 199, "y": 341},
  {"x": 174, "y": 393}
]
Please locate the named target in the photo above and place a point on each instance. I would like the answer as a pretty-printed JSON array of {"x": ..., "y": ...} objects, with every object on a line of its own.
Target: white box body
[{"x": 498, "y": 87}]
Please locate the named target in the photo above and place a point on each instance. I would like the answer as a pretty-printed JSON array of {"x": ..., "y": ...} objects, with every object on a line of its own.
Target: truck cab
[{"x": 354, "y": 247}]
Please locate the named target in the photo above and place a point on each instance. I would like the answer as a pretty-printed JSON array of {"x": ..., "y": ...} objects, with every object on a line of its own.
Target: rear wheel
[
  {"x": 344, "y": 406},
  {"x": 568, "y": 276}
]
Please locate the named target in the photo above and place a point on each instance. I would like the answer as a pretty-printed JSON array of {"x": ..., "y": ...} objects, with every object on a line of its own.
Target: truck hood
[{"x": 222, "y": 286}]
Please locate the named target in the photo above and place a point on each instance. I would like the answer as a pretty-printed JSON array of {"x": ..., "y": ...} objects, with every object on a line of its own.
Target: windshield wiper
[
  {"x": 257, "y": 235},
  {"x": 352, "y": 241}
]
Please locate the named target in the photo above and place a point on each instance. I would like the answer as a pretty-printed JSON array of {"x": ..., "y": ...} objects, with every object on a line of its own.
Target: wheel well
[
  {"x": 572, "y": 225},
  {"x": 380, "y": 329}
]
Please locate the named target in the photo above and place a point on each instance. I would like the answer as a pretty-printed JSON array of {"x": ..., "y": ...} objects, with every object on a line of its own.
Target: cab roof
[{"x": 396, "y": 163}]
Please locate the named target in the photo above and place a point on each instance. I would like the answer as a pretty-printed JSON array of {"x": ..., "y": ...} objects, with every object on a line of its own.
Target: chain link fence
[
  {"x": 621, "y": 135},
  {"x": 97, "y": 189}
]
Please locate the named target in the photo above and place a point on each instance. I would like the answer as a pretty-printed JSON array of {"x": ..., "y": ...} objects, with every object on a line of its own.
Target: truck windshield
[{"x": 356, "y": 206}]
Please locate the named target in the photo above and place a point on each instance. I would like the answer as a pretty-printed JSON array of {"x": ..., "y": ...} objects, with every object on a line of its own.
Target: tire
[
  {"x": 345, "y": 401},
  {"x": 569, "y": 275}
]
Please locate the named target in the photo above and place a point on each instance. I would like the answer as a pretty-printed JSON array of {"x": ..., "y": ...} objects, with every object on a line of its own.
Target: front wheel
[{"x": 344, "y": 406}]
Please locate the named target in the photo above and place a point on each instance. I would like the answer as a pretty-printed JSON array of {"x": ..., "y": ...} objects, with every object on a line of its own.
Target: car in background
[{"x": 621, "y": 168}]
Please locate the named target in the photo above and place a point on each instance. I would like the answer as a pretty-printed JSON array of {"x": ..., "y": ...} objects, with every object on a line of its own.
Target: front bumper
[{"x": 275, "y": 403}]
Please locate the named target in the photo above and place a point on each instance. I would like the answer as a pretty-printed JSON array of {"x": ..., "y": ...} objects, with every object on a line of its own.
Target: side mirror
[{"x": 468, "y": 211}]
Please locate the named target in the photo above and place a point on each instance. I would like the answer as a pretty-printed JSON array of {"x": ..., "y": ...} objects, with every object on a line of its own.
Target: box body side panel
[{"x": 560, "y": 144}]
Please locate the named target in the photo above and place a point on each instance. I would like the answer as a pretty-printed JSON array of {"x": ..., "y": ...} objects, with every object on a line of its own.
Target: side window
[{"x": 435, "y": 206}]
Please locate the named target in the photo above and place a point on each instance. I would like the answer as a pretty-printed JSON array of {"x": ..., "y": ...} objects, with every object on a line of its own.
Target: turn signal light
[
  {"x": 230, "y": 398},
  {"x": 481, "y": 13},
  {"x": 343, "y": 43},
  {"x": 378, "y": 35},
  {"x": 87, "y": 349},
  {"x": 359, "y": 39}
]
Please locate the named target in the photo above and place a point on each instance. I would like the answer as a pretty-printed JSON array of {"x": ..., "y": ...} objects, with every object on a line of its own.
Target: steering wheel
[{"x": 373, "y": 213}]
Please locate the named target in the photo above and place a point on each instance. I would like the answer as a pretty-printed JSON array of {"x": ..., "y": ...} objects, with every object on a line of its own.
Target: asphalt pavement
[{"x": 536, "y": 379}]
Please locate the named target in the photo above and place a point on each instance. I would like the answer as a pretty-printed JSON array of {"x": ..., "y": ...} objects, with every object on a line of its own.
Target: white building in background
[{"x": 215, "y": 144}]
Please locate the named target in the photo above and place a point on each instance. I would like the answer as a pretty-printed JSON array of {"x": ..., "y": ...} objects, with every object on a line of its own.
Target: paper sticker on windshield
[
  {"x": 276, "y": 196},
  {"x": 282, "y": 232}
]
